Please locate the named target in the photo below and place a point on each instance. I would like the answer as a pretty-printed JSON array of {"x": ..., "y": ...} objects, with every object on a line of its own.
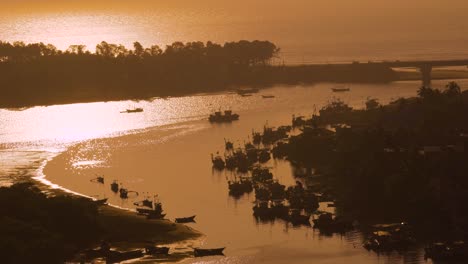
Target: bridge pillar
[{"x": 426, "y": 72}]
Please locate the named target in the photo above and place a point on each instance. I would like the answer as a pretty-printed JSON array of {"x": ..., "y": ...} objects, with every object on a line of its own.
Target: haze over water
[{"x": 307, "y": 31}]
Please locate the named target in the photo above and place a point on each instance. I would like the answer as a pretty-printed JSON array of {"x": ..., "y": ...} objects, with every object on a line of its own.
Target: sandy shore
[{"x": 123, "y": 227}]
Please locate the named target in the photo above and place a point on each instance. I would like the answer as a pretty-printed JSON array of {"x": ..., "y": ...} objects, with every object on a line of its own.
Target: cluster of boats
[
  {"x": 389, "y": 237},
  {"x": 447, "y": 251},
  {"x": 113, "y": 256},
  {"x": 241, "y": 159}
]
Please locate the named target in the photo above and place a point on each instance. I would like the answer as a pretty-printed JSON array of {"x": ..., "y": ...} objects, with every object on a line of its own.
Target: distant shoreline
[{"x": 401, "y": 76}]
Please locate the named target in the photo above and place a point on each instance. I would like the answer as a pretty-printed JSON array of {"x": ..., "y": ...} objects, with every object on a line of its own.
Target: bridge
[{"x": 424, "y": 66}]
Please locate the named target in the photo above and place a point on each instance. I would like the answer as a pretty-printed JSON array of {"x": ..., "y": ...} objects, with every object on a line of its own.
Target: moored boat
[
  {"x": 134, "y": 110},
  {"x": 341, "y": 89},
  {"x": 182, "y": 220},
  {"x": 247, "y": 91},
  {"x": 152, "y": 250},
  {"x": 115, "y": 186},
  {"x": 199, "y": 252},
  {"x": 219, "y": 117},
  {"x": 116, "y": 256}
]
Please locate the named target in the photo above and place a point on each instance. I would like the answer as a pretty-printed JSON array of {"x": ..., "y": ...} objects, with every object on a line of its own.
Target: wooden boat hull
[
  {"x": 183, "y": 220},
  {"x": 199, "y": 252},
  {"x": 157, "y": 250}
]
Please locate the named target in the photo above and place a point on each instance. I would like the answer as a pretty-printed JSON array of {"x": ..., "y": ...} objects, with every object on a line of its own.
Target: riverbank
[
  {"x": 174, "y": 162},
  {"x": 63, "y": 224}
]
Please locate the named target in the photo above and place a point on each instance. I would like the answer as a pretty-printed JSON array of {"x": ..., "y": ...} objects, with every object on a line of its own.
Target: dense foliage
[
  {"x": 38, "y": 229},
  {"x": 40, "y": 74},
  {"x": 405, "y": 160}
]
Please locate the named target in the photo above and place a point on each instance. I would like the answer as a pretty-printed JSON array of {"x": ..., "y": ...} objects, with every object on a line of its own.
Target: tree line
[{"x": 41, "y": 74}]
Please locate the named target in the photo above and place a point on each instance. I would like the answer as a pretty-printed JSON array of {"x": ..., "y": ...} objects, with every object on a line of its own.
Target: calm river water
[{"x": 166, "y": 151}]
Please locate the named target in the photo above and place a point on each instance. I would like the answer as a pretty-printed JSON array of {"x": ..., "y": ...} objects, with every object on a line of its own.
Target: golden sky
[{"x": 275, "y": 6}]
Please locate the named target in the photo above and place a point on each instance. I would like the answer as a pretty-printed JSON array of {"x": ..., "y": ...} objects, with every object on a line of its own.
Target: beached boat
[
  {"x": 182, "y": 220},
  {"x": 134, "y": 110},
  {"x": 116, "y": 256},
  {"x": 156, "y": 250},
  {"x": 341, "y": 89},
  {"x": 218, "y": 117},
  {"x": 199, "y": 252},
  {"x": 145, "y": 203}
]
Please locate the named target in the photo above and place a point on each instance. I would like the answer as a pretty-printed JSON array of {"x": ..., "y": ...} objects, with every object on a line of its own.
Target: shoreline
[
  {"x": 403, "y": 76},
  {"x": 139, "y": 231}
]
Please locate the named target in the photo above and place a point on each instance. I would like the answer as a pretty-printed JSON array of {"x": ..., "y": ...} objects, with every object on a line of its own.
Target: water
[
  {"x": 307, "y": 32},
  {"x": 165, "y": 151}
]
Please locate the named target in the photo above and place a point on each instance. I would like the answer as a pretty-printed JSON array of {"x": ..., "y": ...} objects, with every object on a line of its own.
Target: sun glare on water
[{"x": 65, "y": 29}]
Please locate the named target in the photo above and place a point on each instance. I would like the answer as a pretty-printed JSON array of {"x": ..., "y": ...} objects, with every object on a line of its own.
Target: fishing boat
[
  {"x": 247, "y": 91},
  {"x": 182, "y": 220},
  {"x": 156, "y": 250},
  {"x": 134, "y": 110},
  {"x": 227, "y": 117},
  {"x": 341, "y": 89},
  {"x": 115, "y": 186},
  {"x": 199, "y": 252}
]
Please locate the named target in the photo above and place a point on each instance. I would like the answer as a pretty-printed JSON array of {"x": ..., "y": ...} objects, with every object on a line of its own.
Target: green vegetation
[{"x": 402, "y": 161}]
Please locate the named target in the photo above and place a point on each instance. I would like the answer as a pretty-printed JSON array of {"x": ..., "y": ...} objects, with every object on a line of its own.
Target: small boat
[
  {"x": 182, "y": 220},
  {"x": 341, "y": 89},
  {"x": 155, "y": 215},
  {"x": 156, "y": 250},
  {"x": 116, "y": 256},
  {"x": 123, "y": 193},
  {"x": 134, "y": 110},
  {"x": 99, "y": 179},
  {"x": 218, "y": 117},
  {"x": 115, "y": 187},
  {"x": 268, "y": 96},
  {"x": 199, "y": 252},
  {"x": 247, "y": 91},
  {"x": 145, "y": 203}
]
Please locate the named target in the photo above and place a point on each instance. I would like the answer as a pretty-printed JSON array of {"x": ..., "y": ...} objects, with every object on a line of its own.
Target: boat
[
  {"x": 99, "y": 179},
  {"x": 123, "y": 193},
  {"x": 199, "y": 252},
  {"x": 115, "y": 187},
  {"x": 218, "y": 117},
  {"x": 134, "y": 110},
  {"x": 247, "y": 91},
  {"x": 268, "y": 96},
  {"x": 182, "y": 220},
  {"x": 116, "y": 256},
  {"x": 156, "y": 250},
  {"x": 445, "y": 251},
  {"x": 341, "y": 89},
  {"x": 145, "y": 203}
]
